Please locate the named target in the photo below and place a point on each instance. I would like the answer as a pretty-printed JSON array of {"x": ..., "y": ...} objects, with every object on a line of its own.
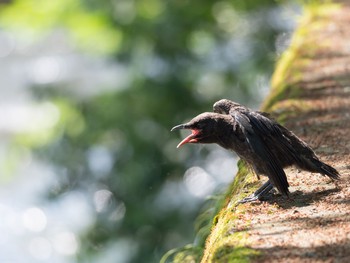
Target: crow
[{"x": 259, "y": 140}]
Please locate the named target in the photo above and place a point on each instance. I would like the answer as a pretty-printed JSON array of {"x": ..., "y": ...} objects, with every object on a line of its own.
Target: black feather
[{"x": 269, "y": 164}]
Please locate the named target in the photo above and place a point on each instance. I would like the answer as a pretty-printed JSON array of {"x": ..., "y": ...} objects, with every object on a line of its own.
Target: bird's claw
[
  {"x": 248, "y": 199},
  {"x": 254, "y": 197},
  {"x": 264, "y": 193}
]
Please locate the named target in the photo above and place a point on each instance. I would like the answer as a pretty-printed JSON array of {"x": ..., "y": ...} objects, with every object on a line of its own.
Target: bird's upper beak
[
  {"x": 190, "y": 138},
  {"x": 179, "y": 127}
]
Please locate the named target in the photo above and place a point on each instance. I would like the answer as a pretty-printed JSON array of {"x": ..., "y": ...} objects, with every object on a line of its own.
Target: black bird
[{"x": 265, "y": 145}]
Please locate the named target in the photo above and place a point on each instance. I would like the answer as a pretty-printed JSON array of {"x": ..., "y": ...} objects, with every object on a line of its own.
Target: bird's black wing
[
  {"x": 275, "y": 135},
  {"x": 254, "y": 133}
]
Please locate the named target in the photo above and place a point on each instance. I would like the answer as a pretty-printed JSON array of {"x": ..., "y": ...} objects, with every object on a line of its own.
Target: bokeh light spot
[
  {"x": 198, "y": 182},
  {"x": 118, "y": 213},
  {"x": 101, "y": 199},
  {"x": 7, "y": 44},
  {"x": 100, "y": 160},
  {"x": 40, "y": 248},
  {"x": 45, "y": 70},
  {"x": 66, "y": 243},
  {"x": 34, "y": 219}
]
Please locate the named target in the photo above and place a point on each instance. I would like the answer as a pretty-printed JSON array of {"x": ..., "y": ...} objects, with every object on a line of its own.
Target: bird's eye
[{"x": 200, "y": 125}]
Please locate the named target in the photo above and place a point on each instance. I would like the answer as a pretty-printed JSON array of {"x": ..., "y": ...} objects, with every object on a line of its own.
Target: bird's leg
[
  {"x": 255, "y": 170},
  {"x": 261, "y": 194},
  {"x": 257, "y": 176}
]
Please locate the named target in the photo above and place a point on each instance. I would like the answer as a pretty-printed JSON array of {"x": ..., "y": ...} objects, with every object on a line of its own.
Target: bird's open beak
[{"x": 190, "y": 138}]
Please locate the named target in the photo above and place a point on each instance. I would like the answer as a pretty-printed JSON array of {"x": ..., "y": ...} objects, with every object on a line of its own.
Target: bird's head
[
  {"x": 224, "y": 106},
  {"x": 204, "y": 127}
]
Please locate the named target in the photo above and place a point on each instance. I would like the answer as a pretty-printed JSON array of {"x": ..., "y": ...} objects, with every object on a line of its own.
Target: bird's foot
[
  {"x": 268, "y": 196},
  {"x": 253, "y": 197},
  {"x": 248, "y": 199},
  {"x": 264, "y": 193}
]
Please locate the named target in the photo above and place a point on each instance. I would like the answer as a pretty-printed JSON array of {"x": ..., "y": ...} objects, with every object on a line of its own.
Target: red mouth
[{"x": 190, "y": 138}]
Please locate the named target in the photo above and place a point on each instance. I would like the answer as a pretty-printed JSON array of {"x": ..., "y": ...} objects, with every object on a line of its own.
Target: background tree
[{"x": 177, "y": 58}]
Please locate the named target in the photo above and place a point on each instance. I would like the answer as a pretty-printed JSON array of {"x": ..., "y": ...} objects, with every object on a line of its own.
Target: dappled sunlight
[
  {"x": 222, "y": 165},
  {"x": 65, "y": 243},
  {"x": 7, "y": 44},
  {"x": 230, "y": 19},
  {"x": 173, "y": 195},
  {"x": 198, "y": 182},
  {"x": 119, "y": 212},
  {"x": 206, "y": 82},
  {"x": 45, "y": 70},
  {"x": 122, "y": 250},
  {"x": 27, "y": 118},
  {"x": 101, "y": 199},
  {"x": 40, "y": 248},
  {"x": 34, "y": 219},
  {"x": 100, "y": 161},
  {"x": 43, "y": 238}
]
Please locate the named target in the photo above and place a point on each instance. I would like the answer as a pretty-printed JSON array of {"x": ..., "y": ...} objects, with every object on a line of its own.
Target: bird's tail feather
[{"x": 328, "y": 170}]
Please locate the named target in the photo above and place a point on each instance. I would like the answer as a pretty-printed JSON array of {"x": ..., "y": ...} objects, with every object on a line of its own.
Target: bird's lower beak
[{"x": 190, "y": 138}]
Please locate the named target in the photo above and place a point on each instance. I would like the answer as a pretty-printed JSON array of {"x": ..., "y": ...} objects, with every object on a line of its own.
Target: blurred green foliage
[
  {"x": 180, "y": 57},
  {"x": 85, "y": 23}
]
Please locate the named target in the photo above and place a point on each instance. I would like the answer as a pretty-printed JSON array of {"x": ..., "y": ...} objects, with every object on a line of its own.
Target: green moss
[
  {"x": 186, "y": 254},
  {"x": 289, "y": 108},
  {"x": 226, "y": 243},
  {"x": 234, "y": 254},
  {"x": 287, "y": 75}
]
